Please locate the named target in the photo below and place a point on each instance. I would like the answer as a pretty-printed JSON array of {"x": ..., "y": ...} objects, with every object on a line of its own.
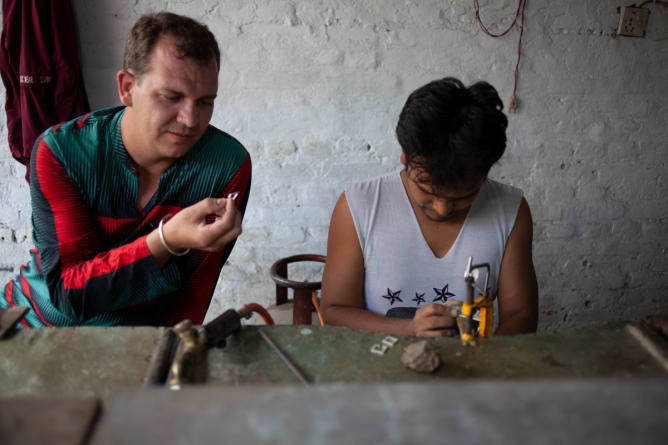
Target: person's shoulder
[
  {"x": 216, "y": 138},
  {"x": 374, "y": 182},
  {"x": 361, "y": 194},
  {"x": 507, "y": 199},
  {"x": 503, "y": 190},
  {"x": 82, "y": 134},
  {"x": 219, "y": 149},
  {"x": 104, "y": 118},
  {"x": 218, "y": 155}
]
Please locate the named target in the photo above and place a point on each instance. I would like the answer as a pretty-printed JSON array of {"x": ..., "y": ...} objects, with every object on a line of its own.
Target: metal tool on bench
[
  {"x": 482, "y": 304},
  {"x": 180, "y": 356},
  {"x": 291, "y": 366}
]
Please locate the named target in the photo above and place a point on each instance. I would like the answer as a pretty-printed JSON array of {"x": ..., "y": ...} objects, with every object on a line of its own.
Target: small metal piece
[
  {"x": 389, "y": 341},
  {"x": 285, "y": 359},
  {"x": 467, "y": 272},
  {"x": 233, "y": 195},
  {"x": 471, "y": 276},
  {"x": 378, "y": 349}
]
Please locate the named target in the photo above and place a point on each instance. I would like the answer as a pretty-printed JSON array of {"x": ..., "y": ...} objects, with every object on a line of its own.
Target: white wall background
[{"x": 313, "y": 89}]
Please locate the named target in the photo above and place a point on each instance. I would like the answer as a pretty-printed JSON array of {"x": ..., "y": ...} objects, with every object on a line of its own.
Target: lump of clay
[{"x": 421, "y": 356}]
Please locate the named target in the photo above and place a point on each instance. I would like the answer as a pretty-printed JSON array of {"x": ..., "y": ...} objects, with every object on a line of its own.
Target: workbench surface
[
  {"x": 84, "y": 385},
  {"x": 100, "y": 361}
]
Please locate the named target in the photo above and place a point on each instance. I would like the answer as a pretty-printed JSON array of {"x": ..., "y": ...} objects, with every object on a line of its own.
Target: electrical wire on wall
[
  {"x": 513, "y": 102},
  {"x": 658, "y": 2}
]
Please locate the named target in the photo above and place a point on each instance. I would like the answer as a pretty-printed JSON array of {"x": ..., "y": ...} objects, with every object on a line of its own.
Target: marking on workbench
[
  {"x": 392, "y": 296},
  {"x": 378, "y": 349},
  {"x": 443, "y": 294},
  {"x": 306, "y": 331},
  {"x": 387, "y": 342}
]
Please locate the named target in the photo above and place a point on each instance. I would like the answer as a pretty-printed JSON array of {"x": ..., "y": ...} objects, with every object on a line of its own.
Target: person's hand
[
  {"x": 207, "y": 225},
  {"x": 435, "y": 320}
]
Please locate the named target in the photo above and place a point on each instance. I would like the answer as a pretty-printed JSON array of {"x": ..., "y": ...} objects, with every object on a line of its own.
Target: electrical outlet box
[{"x": 632, "y": 21}]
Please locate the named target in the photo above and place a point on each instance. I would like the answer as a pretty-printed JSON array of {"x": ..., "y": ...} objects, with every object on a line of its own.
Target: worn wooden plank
[
  {"x": 549, "y": 412},
  {"x": 75, "y": 361},
  {"x": 47, "y": 420}
]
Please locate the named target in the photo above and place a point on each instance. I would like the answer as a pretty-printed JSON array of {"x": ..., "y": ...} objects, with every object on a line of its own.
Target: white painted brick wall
[{"x": 313, "y": 89}]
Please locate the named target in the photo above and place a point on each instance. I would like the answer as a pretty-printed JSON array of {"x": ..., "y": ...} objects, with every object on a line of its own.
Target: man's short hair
[
  {"x": 453, "y": 134},
  {"x": 194, "y": 40}
]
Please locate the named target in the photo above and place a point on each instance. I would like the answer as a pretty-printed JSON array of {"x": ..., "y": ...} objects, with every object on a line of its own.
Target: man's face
[
  {"x": 172, "y": 102},
  {"x": 440, "y": 204}
]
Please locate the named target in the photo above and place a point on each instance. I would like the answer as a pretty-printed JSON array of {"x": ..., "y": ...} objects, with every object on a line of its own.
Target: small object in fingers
[{"x": 233, "y": 195}]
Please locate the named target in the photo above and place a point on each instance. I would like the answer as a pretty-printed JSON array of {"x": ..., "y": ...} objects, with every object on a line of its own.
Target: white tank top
[{"x": 401, "y": 271}]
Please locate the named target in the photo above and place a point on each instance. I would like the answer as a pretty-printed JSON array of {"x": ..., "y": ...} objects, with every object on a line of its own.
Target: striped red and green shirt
[{"x": 91, "y": 265}]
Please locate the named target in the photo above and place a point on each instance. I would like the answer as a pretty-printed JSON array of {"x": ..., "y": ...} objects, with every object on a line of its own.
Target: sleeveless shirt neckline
[{"x": 407, "y": 201}]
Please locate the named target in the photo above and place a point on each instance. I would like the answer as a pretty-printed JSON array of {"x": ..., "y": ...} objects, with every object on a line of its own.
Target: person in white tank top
[{"x": 398, "y": 244}]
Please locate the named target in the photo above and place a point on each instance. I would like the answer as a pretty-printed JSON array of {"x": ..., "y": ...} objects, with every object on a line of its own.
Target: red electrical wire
[
  {"x": 484, "y": 28},
  {"x": 254, "y": 307},
  {"x": 519, "y": 51},
  {"x": 521, "y": 6},
  {"x": 316, "y": 305}
]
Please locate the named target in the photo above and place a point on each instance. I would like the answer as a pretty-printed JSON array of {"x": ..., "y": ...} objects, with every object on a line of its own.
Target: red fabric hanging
[{"x": 39, "y": 64}]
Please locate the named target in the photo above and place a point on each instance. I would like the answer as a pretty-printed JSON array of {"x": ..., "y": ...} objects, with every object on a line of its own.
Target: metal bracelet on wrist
[{"x": 162, "y": 238}]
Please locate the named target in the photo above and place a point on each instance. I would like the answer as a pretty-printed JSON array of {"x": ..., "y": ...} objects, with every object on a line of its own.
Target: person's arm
[
  {"x": 84, "y": 275},
  {"x": 194, "y": 298},
  {"x": 343, "y": 287},
  {"x": 517, "y": 287}
]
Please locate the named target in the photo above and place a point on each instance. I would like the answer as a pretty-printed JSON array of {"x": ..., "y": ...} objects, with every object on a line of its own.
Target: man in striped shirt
[{"x": 136, "y": 208}]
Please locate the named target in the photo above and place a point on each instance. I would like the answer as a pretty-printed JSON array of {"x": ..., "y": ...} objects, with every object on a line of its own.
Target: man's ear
[
  {"x": 403, "y": 158},
  {"x": 126, "y": 82}
]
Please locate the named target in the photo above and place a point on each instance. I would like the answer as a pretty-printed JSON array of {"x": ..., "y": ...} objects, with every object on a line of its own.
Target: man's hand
[
  {"x": 435, "y": 320},
  {"x": 208, "y": 225},
  {"x": 190, "y": 229}
]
